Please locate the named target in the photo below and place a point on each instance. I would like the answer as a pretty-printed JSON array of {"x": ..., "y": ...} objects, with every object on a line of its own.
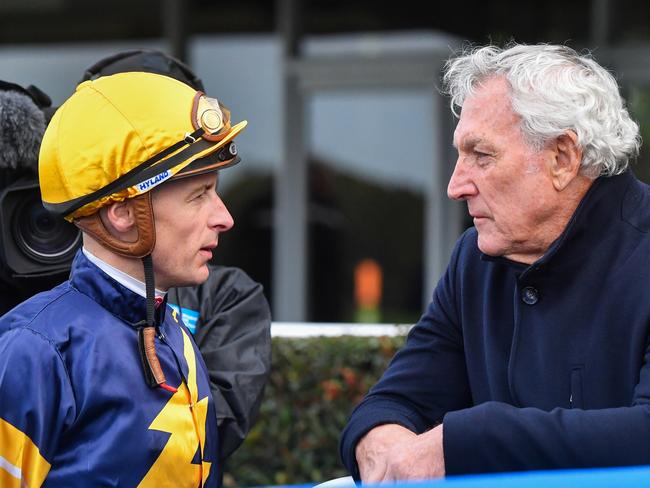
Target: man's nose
[
  {"x": 221, "y": 218},
  {"x": 460, "y": 185}
]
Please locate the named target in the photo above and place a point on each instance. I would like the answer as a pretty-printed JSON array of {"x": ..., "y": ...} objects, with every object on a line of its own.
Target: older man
[{"x": 534, "y": 351}]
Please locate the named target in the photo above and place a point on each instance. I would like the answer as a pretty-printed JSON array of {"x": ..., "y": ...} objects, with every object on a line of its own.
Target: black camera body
[
  {"x": 34, "y": 243},
  {"x": 36, "y": 247}
]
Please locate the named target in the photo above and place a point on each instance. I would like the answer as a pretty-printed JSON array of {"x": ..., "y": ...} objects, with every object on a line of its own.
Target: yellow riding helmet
[{"x": 122, "y": 135}]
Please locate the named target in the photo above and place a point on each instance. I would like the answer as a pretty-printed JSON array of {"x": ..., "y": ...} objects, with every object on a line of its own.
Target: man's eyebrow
[
  {"x": 469, "y": 142},
  {"x": 195, "y": 190},
  {"x": 199, "y": 188}
]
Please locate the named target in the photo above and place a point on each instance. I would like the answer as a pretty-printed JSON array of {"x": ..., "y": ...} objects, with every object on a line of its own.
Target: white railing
[{"x": 319, "y": 329}]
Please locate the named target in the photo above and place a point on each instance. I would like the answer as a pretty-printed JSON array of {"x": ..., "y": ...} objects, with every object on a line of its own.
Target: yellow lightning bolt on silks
[
  {"x": 21, "y": 463},
  {"x": 184, "y": 418}
]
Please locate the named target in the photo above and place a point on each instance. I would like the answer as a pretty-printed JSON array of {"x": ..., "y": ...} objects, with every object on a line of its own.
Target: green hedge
[{"x": 314, "y": 384}]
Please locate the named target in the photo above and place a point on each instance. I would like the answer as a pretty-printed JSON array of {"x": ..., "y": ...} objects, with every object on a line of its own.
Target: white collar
[{"x": 126, "y": 280}]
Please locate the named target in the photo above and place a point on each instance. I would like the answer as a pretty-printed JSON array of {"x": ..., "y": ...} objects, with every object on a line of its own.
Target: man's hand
[
  {"x": 421, "y": 458},
  {"x": 391, "y": 452},
  {"x": 374, "y": 450}
]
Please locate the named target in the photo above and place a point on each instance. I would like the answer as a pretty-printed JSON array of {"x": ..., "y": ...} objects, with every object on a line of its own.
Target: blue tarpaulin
[{"x": 628, "y": 477}]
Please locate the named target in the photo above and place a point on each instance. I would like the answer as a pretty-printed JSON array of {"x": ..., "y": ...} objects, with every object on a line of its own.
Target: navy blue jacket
[
  {"x": 533, "y": 367},
  {"x": 75, "y": 410}
]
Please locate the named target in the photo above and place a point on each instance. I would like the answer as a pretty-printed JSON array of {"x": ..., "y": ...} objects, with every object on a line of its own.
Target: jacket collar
[
  {"x": 603, "y": 202},
  {"x": 90, "y": 280}
]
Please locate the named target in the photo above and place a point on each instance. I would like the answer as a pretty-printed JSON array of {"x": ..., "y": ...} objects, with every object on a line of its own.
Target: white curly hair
[{"x": 554, "y": 89}]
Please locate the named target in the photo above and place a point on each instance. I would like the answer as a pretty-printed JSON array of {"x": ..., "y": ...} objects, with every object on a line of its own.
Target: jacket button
[{"x": 529, "y": 295}]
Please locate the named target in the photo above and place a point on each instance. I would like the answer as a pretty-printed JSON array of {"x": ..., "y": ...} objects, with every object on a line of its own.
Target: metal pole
[
  {"x": 443, "y": 218},
  {"x": 600, "y": 26},
  {"x": 290, "y": 184},
  {"x": 175, "y": 28}
]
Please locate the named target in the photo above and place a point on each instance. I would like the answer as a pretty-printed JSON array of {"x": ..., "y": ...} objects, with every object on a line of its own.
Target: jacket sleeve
[
  {"x": 426, "y": 379},
  {"x": 496, "y": 436},
  {"x": 36, "y": 404},
  {"x": 234, "y": 337}
]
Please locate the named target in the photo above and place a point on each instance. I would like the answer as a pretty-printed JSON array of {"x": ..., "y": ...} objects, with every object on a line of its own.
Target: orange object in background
[{"x": 368, "y": 283}]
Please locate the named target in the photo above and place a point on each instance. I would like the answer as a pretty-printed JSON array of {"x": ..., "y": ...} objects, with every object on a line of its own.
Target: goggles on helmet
[{"x": 211, "y": 121}]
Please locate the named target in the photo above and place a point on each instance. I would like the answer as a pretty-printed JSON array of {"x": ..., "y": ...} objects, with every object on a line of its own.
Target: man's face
[
  {"x": 507, "y": 183},
  {"x": 189, "y": 216}
]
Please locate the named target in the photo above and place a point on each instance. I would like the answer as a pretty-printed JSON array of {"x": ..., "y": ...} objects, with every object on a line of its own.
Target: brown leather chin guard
[{"x": 145, "y": 225}]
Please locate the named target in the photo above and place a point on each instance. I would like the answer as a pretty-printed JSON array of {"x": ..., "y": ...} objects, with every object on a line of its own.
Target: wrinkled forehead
[{"x": 488, "y": 109}]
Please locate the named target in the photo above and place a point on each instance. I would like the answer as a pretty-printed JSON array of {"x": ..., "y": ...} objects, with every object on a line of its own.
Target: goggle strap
[
  {"x": 137, "y": 171},
  {"x": 140, "y": 173},
  {"x": 168, "y": 164}
]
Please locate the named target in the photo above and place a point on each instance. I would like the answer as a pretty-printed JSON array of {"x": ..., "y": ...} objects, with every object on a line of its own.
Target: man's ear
[
  {"x": 119, "y": 220},
  {"x": 567, "y": 158}
]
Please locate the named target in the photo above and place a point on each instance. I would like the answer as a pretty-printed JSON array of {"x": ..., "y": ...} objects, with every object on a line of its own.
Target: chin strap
[{"x": 153, "y": 373}]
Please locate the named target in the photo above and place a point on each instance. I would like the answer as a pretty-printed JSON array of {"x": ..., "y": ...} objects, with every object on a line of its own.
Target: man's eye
[{"x": 482, "y": 158}]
